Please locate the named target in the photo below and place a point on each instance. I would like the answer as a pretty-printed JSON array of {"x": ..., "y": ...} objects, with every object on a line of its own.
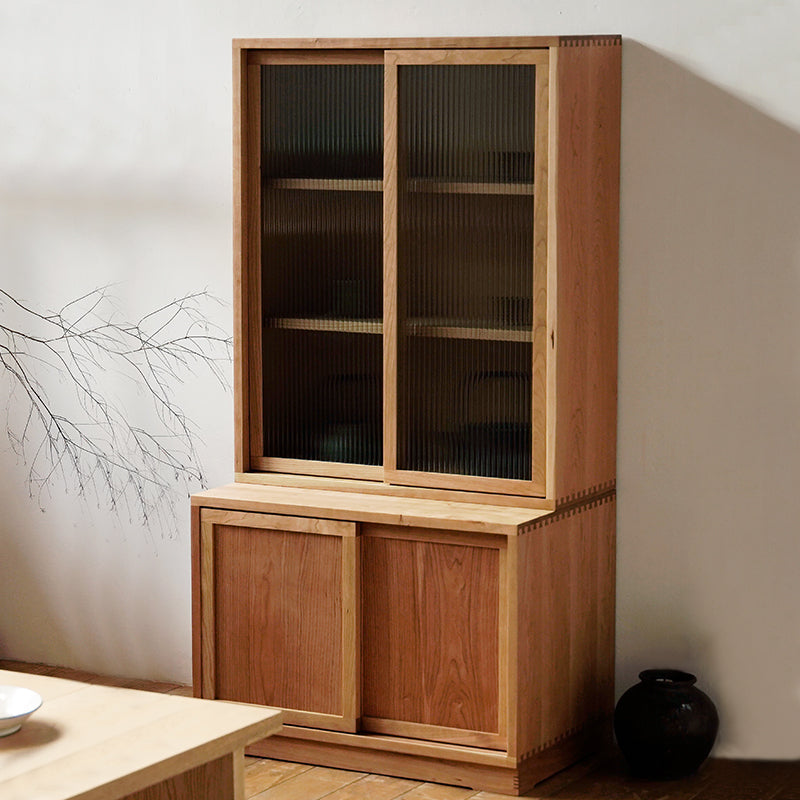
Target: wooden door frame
[
  {"x": 542, "y": 419},
  {"x": 505, "y": 739},
  {"x": 350, "y": 694}
]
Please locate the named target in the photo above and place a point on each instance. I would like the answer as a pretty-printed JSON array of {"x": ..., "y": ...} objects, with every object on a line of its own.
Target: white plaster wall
[{"x": 115, "y": 168}]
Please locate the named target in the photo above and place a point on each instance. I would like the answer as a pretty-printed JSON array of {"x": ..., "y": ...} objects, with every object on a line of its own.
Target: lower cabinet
[{"x": 452, "y": 648}]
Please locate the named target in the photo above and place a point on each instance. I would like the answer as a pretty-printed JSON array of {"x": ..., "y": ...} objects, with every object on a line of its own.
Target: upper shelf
[
  {"x": 437, "y": 186},
  {"x": 416, "y": 185},
  {"x": 442, "y": 329},
  {"x": 326, "y": 184},
  {"x": 326, "y": 324}
]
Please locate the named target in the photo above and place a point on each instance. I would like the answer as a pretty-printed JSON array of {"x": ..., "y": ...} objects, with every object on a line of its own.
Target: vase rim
[{"x": 667, "y": 677}]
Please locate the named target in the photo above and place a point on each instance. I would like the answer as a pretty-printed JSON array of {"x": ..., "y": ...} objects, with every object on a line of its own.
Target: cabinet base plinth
[{"x": 510, "y": 780}]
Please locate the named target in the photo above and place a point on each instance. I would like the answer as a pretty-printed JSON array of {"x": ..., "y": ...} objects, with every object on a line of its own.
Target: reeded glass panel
[
  {"x": 465, "y": 268},
  {"x": 322, "y": 165}
]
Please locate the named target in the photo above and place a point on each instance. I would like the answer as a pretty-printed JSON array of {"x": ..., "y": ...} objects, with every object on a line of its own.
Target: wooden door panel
[
  {"x": 280, "y": 612},
  {"x": 430, "y": 629}
]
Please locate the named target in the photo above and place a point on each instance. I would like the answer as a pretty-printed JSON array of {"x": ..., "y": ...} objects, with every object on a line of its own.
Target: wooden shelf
[
  {"x": 441, "y": 330},
  {"x": 414, "y": 327},
  {"x": 417, "y": 185},
  {"x": 326, "y": 324},
  {"x": 437, "y": 186},
  {"x": 325, "y": 184}
]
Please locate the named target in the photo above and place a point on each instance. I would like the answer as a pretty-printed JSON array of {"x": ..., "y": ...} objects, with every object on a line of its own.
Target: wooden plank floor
[{"x": 602, "y": 778}]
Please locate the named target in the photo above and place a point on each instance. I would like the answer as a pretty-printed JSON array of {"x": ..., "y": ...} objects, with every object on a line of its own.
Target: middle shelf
[
  {"x": 433, "y": 328},
  {"x": 417, "y": 185}
]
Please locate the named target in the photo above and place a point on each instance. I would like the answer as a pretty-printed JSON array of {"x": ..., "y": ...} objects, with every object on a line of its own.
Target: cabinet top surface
[
  {"x": 427, "y": 42},
  {"x": 368, "y": 508}
]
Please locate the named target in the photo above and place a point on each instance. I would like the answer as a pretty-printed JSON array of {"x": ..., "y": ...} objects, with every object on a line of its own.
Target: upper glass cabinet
[
  {"x": 469, "y": 151},
  {"x": 400, "y": 201}
]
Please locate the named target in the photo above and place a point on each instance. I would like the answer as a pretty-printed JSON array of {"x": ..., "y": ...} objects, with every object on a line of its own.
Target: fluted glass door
[
  {"x": 469, "y": 261},
  {"x": 321, "y": 158}
]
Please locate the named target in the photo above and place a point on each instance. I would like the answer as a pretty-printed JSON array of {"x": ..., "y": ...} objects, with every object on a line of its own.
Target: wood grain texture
[
  {"x": 278, "y": 619},
  {"x": 430, "y": 633},
  {"x": 391, "y": 304},
  {"x": 215, "y": 779},
  {"x": 251, "y": 246},
  {"x": 464, "y": 483},
  {"x": 364, "y": 472},
  {"x": 103, "y": 743},
  {"x": 424, "y": 748},
  {"x": 386, "y": 762},
  {"x": 197, "y": 600},
  {"x": 208, "y": 635},
  {"x": 552, "y": 273},
  {"x": 262, "y": 773},
  {"x": 376, "y": 787},
  {"x": 456, "y": 55},
  {"x": 351, "y": 628},
  {"x": 569, "y": 750},
  {"x": 566, "y": 626},
  {"x": 409, "y": 534},
  {"x": 405, "y": 43},
  {"x": 241, "y": 332},
  {"x": 542, "y": 504},
  {"x": 246, "y": 261},
  {"x": 541, "y": 290},
  {"x": 324, "y": 527},
  {"x": 437, "y": 733},
  {"x": 587, "y": 214},
  {"x": 84, "y": 676},
  {"x": 307, "y": 56},
  {"x": 312, "y": 784},
  {"x": 508, "y": 646},
  {"x": 351, "y": 506}
]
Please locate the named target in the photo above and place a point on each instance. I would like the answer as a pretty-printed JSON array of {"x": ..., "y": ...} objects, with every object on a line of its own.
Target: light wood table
[{"x": 91, "y": 742}]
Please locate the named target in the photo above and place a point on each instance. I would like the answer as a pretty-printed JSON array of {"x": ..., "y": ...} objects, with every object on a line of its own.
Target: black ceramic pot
[{"x": 665, "y": 726}]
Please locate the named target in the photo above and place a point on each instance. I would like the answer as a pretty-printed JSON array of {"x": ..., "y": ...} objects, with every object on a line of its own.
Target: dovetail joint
[
  {"x": 577, "y": 504},
  {"x": 590, "y": 41}
]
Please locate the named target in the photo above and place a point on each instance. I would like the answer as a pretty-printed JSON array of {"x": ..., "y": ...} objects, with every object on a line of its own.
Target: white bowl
[{"x": 16, "y": 705}]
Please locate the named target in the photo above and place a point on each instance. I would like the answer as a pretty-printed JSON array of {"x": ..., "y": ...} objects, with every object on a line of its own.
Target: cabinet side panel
[
  {"x": 588, "y": 161},
  {"x": 566, "y": 619},
  {"x": 278, "y": 618},
  {"x": 197, "y": 600},
  {"x": 430, "y": 633}
]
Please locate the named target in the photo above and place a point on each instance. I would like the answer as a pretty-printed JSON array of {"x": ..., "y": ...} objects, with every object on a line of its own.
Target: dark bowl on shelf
[
  {"x": 350, "y": 443},
  {"x": 495, "y": 449}
]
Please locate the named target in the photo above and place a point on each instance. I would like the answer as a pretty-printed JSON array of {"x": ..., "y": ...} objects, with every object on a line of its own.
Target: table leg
[{"x": 222, "y": 779}]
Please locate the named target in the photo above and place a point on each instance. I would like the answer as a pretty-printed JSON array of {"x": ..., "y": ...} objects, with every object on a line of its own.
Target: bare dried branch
[{"x": 63, "y": 418}]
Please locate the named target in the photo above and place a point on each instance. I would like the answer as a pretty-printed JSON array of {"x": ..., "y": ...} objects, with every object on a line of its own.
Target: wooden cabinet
[{"x": 416, "y": 559}]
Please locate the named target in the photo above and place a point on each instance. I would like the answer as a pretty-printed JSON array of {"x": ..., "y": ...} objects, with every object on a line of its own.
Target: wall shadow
[{"x": 709, "y": 400}]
